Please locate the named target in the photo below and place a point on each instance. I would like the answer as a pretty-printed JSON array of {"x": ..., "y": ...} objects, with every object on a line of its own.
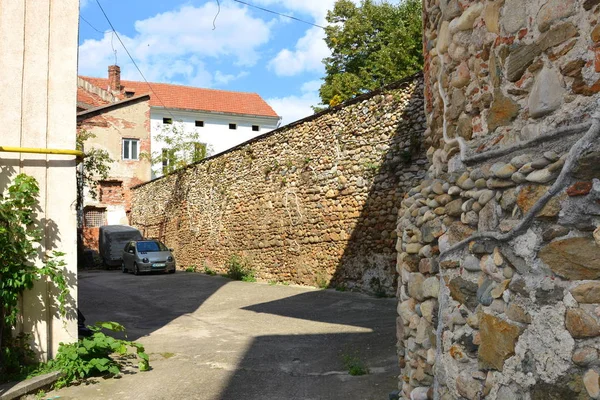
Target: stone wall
[
  {"x": 310, "y": 203},
  {"x": 498, "y": 246}
]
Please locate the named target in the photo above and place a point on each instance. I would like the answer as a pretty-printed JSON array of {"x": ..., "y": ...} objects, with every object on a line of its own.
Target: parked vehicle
[
  {"x": 147, "y": 256},
  {"x": 112, "y": 239}
]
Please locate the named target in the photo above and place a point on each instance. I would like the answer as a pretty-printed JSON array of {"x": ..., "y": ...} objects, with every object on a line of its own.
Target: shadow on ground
[
  {"x": 303, "y": 366},
  {"x": 144, "y": 303}
]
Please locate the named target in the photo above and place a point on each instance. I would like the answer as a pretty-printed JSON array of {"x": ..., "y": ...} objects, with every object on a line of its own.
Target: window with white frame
[{"x": 131, "y": 149}]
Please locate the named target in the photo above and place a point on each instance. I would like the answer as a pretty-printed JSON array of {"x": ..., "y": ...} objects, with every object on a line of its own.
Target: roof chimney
[{"x": 114, "y": 78}]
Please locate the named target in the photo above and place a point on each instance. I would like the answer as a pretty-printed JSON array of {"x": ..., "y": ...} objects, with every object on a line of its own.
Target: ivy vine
[{"x": 19, "y": 239}]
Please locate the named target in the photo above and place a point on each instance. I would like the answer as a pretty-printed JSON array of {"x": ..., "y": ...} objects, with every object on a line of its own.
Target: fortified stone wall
[
  {"x": 499, "y": 254},
  {"x": 312, "y": 203}
]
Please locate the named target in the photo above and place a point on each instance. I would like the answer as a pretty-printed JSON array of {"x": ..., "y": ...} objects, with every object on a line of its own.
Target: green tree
[
  {"x": 372, "y": 45},
  {"x": 95, "y": 167},
  {"x": 181, "y": 147}
]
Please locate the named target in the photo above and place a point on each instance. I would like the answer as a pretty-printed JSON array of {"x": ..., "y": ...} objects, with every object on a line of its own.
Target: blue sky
[{"x": 249, "y": 50}]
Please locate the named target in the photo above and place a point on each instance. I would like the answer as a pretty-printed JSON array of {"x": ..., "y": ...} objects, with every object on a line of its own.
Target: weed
[
  {"x": 371, "y": 166},
  {"x": 354, "y": 364},
  {"x": 377, "y": 287},
  {"x": 272, "y": 282},
  {"x": 285, "y": 283},
  {"x": 321, "y": 280},
  {"x": 209, "y": 271},
  {"x": 307, "y": 160},
  {"x": 40, "y": 395},
  {"x": 93, "y": 356},
  {"x": 341, "y": 288},
  {"x": 238, "y": 268},
  {"x": 191, "y": 268}
]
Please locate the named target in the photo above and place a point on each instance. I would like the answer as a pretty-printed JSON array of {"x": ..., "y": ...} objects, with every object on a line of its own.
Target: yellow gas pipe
[{"x": 33, "y": 150}]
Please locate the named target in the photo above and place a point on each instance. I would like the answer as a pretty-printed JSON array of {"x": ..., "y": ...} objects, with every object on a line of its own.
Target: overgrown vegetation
[
  {"x": 19, "y": 235},
  {"x": 98, "y": 355},
  {"x": 354, "y": 364},
  {"x": 239, "y": 268},
  {"x": 372, "y": 44}
]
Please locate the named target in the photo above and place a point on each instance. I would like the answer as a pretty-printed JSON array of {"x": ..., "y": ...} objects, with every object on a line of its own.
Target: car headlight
[
  {"x": 170, "y": 259},
  {"x": 145, "y": 260}
]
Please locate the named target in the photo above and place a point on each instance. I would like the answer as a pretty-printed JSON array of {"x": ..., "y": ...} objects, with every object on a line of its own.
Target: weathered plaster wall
[
  {"x": 311, "y": 202},
  {"x": 499, "y": 246},
  {"x": 38, "y": 43},
  {"x": 111, "y": 125}
]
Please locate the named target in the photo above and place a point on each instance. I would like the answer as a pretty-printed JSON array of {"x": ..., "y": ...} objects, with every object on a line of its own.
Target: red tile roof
[
  {"x": 193, "y": 98},
  {"x": 90, "y": 99}
]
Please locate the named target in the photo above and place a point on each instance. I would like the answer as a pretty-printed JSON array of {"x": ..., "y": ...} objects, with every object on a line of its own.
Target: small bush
[
  {"x": 93, "y": 356},
  {"x": 321, "y": 281},
  {"x": 191, "y": 268},
  {"x": 354, "y": 365},
  {"x": 238, "y": 268},
  {"x": 209, "y": 271}
]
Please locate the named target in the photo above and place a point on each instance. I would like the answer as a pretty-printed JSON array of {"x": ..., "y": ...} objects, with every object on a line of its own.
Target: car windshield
[{"x": 144, "y": 247}]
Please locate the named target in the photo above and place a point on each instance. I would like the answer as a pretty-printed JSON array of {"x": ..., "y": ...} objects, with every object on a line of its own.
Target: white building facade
[
  {"x": 201, "y": 118},
  {"x": 219, "y": 132}
]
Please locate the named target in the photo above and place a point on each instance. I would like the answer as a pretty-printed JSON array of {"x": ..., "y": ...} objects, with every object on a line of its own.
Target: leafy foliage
[
  {"x": 354, "y": 365},
  {"x": 239, "y": 268},
  {"x": 181, "y": 147},
  {"x": 18, "y": 238},
  {"x": 372, "y": 45},
  {"x": 96, "y": 165},
  {"x": 93, "y": 356}
]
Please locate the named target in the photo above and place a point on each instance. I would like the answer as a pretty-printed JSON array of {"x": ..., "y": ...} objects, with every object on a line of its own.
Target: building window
[
  {"x": 200, "y": 124},
  {"x": 131, "y": 149},
  {"x": 255, "y": 128},
  {"x": 168, "y": 121},
  {"x": 232, "y": 126},
  {"x": 94, "y": 217}
]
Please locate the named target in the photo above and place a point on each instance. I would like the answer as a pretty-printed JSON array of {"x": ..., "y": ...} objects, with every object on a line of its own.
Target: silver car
[{"x": 147, "y": 256}]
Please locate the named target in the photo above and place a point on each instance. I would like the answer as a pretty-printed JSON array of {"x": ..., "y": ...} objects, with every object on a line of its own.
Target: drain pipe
[{"x": 33, "y": 150}]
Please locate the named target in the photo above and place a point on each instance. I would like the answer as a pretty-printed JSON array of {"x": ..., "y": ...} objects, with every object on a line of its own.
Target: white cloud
[
  {"x": 307, "y": 56},
  {"x": 311, "y": 86},
  {"x": 82, "y": 4},
  {"x": 293, "y": 108},
  {"x": 317, "y": 9},
  {"x": 175, "y": 46},
  {"x": 224, "y": 79}
]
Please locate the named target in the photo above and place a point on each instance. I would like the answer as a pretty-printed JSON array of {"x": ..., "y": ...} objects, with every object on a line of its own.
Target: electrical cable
[
  {"x": 283, "y": 15},
  {"x": 132, "y": 60},
  {"x": 218, "y": 12},
  {"x": 91, "y": 26}
]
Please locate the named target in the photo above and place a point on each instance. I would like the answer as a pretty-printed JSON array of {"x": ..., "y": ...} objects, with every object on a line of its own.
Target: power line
[
  {"x": 91, "y": 26},
  {"x": 283, "y": 15},
  {"x": 132, "y": 60}
]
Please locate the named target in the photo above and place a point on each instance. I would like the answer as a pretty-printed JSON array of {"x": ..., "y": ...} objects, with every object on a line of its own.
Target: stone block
[
  {"x": 498, "y": 339},
  {"x": 573, "y": 258}
]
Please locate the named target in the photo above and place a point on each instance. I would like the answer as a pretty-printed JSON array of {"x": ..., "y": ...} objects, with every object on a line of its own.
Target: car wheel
[
  {"x": 173, "y": 271},
  {"x": 136, "y": 270},
  {"x": 123, "y": 269}
]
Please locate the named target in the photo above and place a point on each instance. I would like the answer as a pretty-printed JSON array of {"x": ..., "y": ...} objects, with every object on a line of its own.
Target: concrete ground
[{"x": 212, "y": 338}]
